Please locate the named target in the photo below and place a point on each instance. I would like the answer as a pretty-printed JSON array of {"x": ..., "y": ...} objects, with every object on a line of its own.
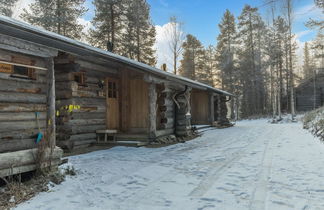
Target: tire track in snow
[
  {"x": 216, "y": 172},
  {"x": 258, "y": 201}
]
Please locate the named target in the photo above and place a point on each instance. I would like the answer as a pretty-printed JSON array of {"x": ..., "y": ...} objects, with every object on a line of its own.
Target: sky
[{"x": 201, "y": 18}]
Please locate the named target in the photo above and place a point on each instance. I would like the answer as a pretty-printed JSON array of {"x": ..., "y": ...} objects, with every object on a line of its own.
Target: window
[
  {"x": 112, "y": 89},
  {"x": 79, "y": 78},
  {"x": 23, "y": 72}
]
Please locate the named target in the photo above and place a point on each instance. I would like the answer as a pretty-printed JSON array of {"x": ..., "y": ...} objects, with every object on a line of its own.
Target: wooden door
[{"x": 112, "y": 103}]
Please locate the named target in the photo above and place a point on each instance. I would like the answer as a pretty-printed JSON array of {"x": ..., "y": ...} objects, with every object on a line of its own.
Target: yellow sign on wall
[{"x": 6, "y": 68}]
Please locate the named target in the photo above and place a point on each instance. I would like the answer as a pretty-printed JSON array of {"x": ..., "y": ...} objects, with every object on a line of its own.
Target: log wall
[
  {"x": 81, "y": 107},
  {"x": 20, "y": 100}
]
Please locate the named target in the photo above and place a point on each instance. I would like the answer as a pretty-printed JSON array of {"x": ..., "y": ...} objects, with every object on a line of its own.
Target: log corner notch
[
  {"x": 183, "y": 113},
  {"x": 222, "y": 120}
]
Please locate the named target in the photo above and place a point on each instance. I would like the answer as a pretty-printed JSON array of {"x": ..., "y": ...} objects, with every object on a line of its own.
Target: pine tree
[
  {"x": 251, "y": 28},
  {"x": 6, "y": 7},
  {"x": 59, "y": 16},
  {"x": 108, "y": 24},
  {"x": 139, "y": 37},
  {"x": 192, "y": 58},
  {"x": 225, "y": 54},
  {"x": 210, "y": 67}
]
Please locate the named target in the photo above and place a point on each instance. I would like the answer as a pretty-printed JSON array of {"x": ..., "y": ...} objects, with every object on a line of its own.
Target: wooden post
[
  {"x": 219, "y": 108},
  {"x": 152, "y": 110},
  {"x": 51, "y": 103},
  {"x": 211, "y": 108}
]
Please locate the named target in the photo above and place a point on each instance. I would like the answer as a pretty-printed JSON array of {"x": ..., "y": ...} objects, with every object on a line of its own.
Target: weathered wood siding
[
  {"x": 200, "y": 109},
  {"x": 20, "y": 100}
]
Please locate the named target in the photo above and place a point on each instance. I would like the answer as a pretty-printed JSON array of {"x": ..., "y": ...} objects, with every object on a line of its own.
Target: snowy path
[{"x": 254, "y": 165}]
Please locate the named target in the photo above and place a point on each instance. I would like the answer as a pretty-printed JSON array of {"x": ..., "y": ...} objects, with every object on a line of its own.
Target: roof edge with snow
[{"x": 21, "y": 30}]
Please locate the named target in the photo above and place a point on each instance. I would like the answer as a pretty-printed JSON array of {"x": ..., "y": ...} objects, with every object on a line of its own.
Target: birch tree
[{"x": 176, "y": 36}]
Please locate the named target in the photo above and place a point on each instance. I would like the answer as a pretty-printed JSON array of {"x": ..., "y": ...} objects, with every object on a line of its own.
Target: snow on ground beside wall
[{"x": 254, "y": 165}]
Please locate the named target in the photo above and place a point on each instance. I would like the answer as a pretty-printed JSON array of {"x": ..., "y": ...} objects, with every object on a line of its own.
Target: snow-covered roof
[{"x": 18, "y": 29}]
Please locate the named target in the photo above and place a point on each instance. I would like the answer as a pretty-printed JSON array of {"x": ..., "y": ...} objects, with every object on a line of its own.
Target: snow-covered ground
[{"x": 254, "y": 165}]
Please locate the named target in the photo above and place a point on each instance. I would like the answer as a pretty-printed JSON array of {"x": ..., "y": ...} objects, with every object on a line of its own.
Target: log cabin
[
  {"x": 79, "y": 92},
  {"x": 310, "y": 93}
]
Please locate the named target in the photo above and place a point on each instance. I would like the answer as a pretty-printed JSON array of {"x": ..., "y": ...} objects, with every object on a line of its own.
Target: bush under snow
[{"x": 314, "y": 121}]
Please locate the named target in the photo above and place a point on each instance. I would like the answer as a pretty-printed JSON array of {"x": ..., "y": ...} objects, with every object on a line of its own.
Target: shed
[{"x": 310, "y": 93}]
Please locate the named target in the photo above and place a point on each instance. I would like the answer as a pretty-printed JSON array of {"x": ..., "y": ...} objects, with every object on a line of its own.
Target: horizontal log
[
  {"x": 21, "y": 125},
  {"x": 22, "y": 86},
  {"x": 40, "y": 78},
  {"x": 17, "y": 144},
  {"x": 21, "y": 116},
  {"x": 87, "y": 122},
  {"x": 167, "y": 114},
  {"x": 96, "y": 67},
  {"x": 22, "y": 107},
  {"x": 22, "y": 97},
  {"x": 20, "y": 134},
  {"x": 14, "y": 162},
  {"x": 167, "y": 120},
  {"x": 79, "y": 129},
  {"x": 166, "y": 126},
  {"x": 88, "y": 115},
  {"x": 22, "y": 46},
  {"x": 68, "y": 67},
  {"x": 66, "y": 85},
  {"x": 82, "y": 102}
]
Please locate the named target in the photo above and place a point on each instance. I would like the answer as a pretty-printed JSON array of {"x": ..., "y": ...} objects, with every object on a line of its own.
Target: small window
[
  {"x": 112, "y": 89},
  {"x": 79, "y": 78},
  {"x": 23, "y": 72}
]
